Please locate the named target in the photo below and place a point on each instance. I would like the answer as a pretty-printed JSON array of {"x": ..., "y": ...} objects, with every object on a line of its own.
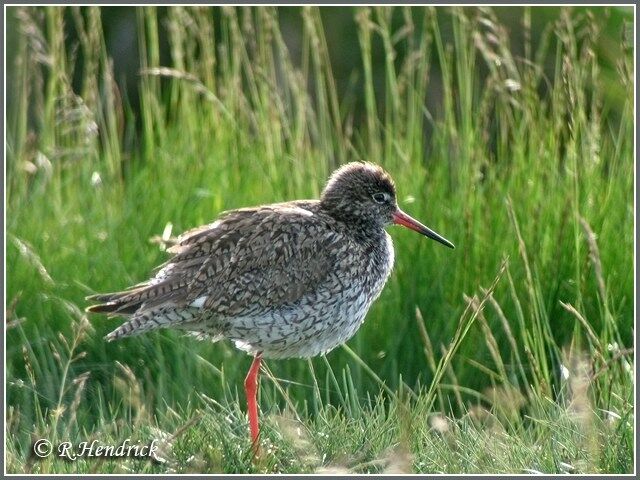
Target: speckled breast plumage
[{"x": 322, "y": 319}]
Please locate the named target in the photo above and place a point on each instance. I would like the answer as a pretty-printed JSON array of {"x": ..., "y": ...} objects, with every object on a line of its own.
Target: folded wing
[{"x": 246, "y": 263}]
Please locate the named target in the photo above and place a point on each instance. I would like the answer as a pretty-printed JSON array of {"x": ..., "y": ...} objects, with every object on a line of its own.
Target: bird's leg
[{"x": 251, "y": 390}]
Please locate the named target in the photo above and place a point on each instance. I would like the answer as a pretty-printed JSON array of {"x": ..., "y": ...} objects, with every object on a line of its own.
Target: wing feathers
[{"x": 248, "y": 261}]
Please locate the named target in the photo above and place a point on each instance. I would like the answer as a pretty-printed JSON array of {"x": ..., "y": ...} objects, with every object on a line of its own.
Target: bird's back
[{"x": 268, "y": 278}]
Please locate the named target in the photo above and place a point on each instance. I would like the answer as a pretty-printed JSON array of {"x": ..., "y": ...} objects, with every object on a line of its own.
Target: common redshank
[{"x": 291, "y": 279}]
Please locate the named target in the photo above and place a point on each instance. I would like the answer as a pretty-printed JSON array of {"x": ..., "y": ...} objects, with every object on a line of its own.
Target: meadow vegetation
[{"x": 512, "y": 353}]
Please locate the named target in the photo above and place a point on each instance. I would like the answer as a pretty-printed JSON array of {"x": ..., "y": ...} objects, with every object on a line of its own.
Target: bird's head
[{"x": 364, "y": 194}]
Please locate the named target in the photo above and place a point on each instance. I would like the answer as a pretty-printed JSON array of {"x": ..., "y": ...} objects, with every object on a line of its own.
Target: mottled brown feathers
[
  {"x": 281, "y": 250},
  {"x": 288, "y": 279}
]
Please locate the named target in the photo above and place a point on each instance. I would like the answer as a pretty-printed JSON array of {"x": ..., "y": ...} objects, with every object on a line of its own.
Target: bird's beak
[{"x": 401, "y": 218}]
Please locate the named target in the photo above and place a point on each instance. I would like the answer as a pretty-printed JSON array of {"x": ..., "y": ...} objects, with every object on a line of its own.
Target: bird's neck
[{"x": 356, "y": 224}]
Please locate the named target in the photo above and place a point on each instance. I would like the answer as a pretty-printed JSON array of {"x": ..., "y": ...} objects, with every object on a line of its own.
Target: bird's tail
[
  {"x": 142, "y": 320},
  {"x": 118, "y": 303},
  {"x": 168, "y": 316},
  {"x": 128, "y": 304},
  {"x": 135, "y": 326},
  {"x": 146, "y": 309}
]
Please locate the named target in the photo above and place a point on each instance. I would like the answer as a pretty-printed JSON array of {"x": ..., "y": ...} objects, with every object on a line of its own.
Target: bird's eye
[{"x": 380, "y": 197}]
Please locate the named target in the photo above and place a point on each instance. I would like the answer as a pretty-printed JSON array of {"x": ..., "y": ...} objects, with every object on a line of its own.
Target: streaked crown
[{"x": 360, "y": 193}]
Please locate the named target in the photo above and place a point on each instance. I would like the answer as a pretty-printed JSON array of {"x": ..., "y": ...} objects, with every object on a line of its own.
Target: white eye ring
[{"x": 380, "y": 197}]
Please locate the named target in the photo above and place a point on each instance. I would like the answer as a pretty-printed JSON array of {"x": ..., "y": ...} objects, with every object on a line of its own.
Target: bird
[{"x": 282, "y": 280}]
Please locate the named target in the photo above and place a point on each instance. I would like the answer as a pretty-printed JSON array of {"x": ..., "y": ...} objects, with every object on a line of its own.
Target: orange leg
[{"x": 251, "y": 390}]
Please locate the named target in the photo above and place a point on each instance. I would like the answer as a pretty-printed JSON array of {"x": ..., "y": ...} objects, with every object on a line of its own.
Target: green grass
[{"x": 512, "y": 353}]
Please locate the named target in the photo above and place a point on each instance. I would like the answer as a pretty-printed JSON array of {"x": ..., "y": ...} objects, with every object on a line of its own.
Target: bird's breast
[{"x": 325, "y": 317}]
